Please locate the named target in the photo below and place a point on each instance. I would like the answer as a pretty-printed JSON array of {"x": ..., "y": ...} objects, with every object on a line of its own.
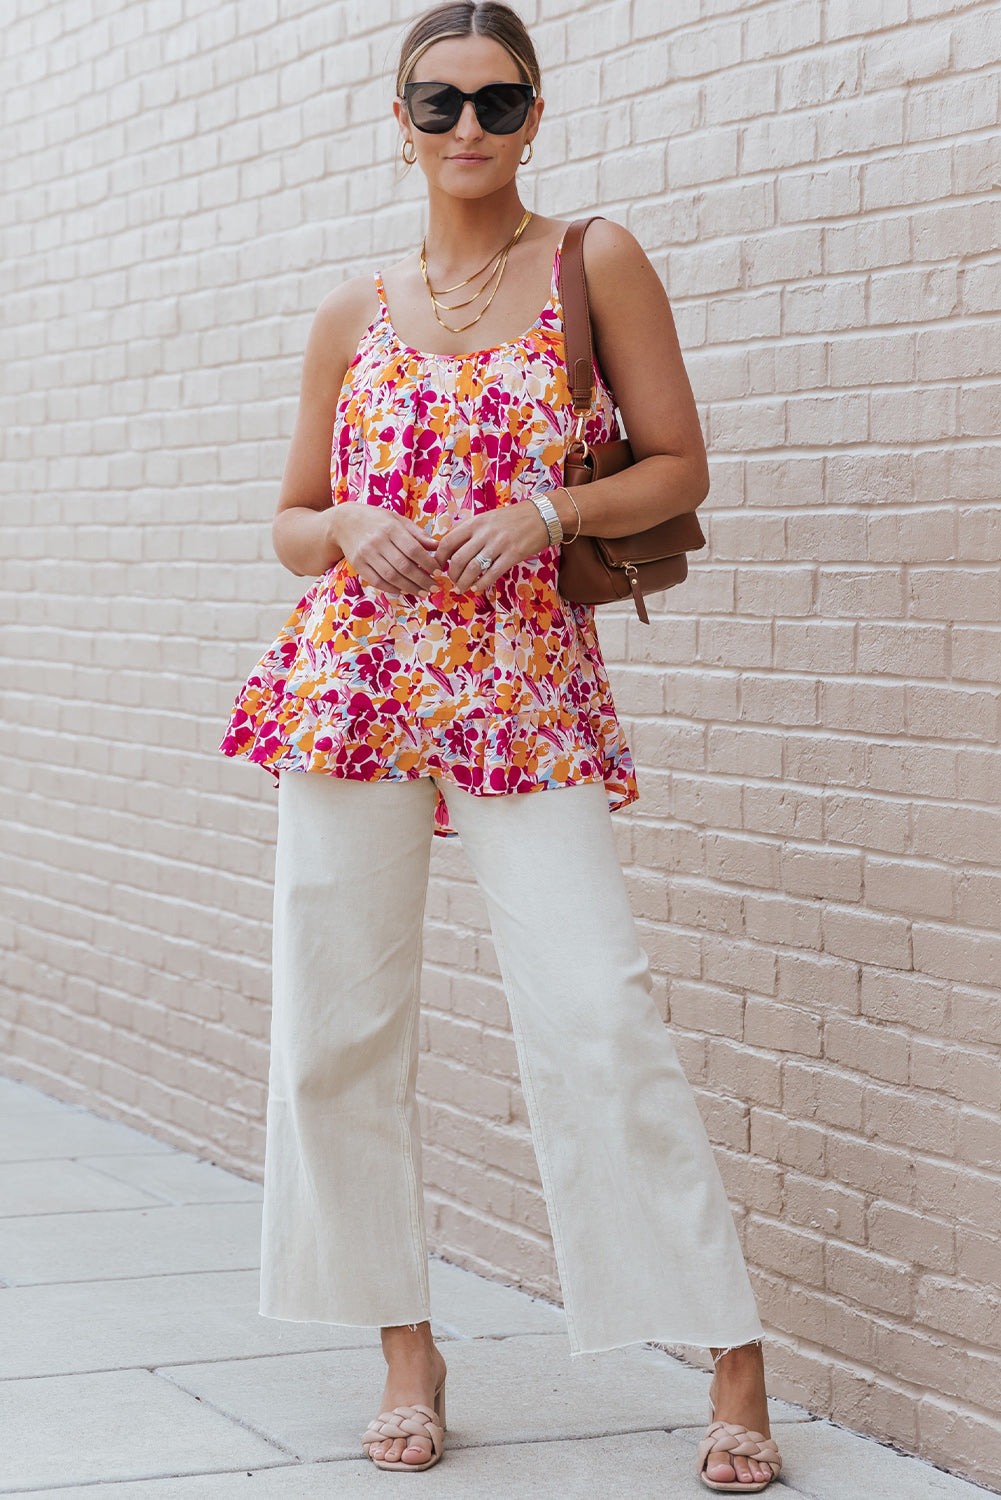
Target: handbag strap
[{"x": 577, "y": 315}]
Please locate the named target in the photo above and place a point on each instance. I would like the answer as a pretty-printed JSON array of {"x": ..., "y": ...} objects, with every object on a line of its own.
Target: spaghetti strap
[
  {"x": 381, "y": 292},
  {"x": 556, "y": 264}
]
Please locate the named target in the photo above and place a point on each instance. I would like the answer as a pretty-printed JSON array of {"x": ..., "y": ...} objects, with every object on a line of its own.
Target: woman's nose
[{"x": 468, "y": 126}]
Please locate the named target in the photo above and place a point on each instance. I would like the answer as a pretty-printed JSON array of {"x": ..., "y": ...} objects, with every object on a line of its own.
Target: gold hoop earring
[
  {"x": 409, "y": 159},
  {"x": 526, "y": 159}
]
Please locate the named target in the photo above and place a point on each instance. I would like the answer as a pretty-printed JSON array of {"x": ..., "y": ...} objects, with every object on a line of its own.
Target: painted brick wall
[{"x": 816, "y": 858}]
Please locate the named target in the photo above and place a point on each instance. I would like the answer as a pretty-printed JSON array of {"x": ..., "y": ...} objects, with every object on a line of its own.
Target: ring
[{"x": 485, "y": 561}]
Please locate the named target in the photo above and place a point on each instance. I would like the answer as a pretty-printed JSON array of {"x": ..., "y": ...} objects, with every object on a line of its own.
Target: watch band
[{"x": 547, "y": 510}]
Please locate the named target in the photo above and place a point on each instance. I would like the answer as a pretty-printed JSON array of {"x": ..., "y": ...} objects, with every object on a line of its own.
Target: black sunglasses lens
[
  {"x": 502, "y": 108},
  {"x": 434, "y": 107}
]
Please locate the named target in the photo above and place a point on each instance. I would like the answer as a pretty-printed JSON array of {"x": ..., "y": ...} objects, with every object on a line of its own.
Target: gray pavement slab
[
  {"x": 178, "y": 1178},
  {"x": 631, "y": 1466},
  {"x": 147, "y": 1321},
  {"x": 21, "y": 1099},
  {"x": 469, "y": 1306},
  {"x": 130, "y": 1242},
  {"x": 121, "y": 1424},
  {"x": 502, "y": 1390},
  {"x": 55, "y": 1185},
  {"x": 62, "y": 1327},
  {"x": 67, "y": 1131}
]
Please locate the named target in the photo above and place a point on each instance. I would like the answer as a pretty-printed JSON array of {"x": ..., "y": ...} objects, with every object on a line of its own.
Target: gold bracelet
[{"x": 573, "y": 502}]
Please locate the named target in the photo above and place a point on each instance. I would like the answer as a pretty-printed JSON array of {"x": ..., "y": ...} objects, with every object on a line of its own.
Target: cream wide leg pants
[{"x": 645, "y": 1243}]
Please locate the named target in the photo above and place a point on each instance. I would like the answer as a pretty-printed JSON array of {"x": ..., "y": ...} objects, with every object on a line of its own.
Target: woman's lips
[{"x": 469, "y": 158}]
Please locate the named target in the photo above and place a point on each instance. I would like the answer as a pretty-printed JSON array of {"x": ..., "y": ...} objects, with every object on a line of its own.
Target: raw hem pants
[{"x": 645, "y": 1243}]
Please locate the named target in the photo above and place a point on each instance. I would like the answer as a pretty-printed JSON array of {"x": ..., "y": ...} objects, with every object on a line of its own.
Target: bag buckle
[{"x": 577, "y": 438}]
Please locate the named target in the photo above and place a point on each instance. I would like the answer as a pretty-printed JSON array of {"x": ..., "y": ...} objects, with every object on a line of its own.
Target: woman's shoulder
[
  {"x": 622, "y": 282},
  {"x": 610, "y": 248},
  {"x": 342, "y": 317},
  {"x": 352, "y": 304}
]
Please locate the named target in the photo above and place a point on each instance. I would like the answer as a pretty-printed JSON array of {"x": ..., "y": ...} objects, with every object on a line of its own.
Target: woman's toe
[
  {"x": 720, "y": 1466},
  {"x": 416, "y": 1452},
  {"x": 743, "y": 1469}
]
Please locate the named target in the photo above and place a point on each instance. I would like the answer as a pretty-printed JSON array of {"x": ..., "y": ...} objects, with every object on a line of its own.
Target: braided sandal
[
  {"x": 732, "y": 1438},
  {"x": 409, "y": 1421}
]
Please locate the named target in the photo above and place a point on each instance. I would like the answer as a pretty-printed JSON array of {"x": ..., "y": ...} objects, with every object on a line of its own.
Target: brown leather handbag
[{"x": 599, "y": 570}]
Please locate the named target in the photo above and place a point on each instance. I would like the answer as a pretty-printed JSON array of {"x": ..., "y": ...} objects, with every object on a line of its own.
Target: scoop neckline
[
  {"x": 473, "y": 353},
  {"x": 492, "y": 348}
]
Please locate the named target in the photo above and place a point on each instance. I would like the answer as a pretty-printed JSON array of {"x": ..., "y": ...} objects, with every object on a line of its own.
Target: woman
[{"x": 432, "y": 679}]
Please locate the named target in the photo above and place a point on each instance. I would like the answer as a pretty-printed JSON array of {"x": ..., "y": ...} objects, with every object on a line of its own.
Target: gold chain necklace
[
  {"x": 492, "y": 262},
  {"x": 499, "y": 260}
]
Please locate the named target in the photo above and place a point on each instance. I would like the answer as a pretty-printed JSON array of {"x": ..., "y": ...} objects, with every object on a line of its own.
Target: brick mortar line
[
  {"x": 611, "y": 105},
  {"x": 724, "y": 884},
  {"x": 438, "y": 1195},
  {"x": 671, "y": 195}
]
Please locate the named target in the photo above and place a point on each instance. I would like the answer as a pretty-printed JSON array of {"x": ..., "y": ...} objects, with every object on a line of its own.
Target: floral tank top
[{"x": 496, "y": 692}]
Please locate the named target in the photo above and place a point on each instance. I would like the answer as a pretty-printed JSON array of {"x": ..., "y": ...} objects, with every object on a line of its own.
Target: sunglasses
[{"x": 501, "y": 108}]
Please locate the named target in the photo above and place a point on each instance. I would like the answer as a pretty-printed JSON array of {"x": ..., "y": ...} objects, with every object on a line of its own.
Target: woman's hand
[
  {"x": 386, "y": 550},
  {"x": 507, "y": 535}
]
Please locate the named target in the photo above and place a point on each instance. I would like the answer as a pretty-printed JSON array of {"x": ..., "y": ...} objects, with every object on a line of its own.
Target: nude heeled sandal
[
  {"x": 409, "y": 1421},
  {"x": 732, "y": 1438}
]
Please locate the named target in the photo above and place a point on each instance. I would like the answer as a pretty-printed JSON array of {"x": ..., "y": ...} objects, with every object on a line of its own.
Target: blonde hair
[{"x": 467, "y": 18}]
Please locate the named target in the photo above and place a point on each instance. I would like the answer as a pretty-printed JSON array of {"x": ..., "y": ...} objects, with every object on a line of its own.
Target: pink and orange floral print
[{"x": 498, "y": 692}]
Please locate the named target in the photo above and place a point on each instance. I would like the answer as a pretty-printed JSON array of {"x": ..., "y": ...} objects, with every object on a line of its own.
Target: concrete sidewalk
[{"x": 134, "y": 1364}]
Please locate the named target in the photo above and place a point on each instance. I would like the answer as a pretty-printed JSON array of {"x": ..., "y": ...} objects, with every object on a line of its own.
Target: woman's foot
[
  {"x": 416, "y": 1370},
  {"x": 738, "y": 1393}
]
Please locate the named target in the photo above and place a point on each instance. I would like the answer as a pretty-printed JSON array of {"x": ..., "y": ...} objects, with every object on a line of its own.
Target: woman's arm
[
  {"x": 310, "y": 533},
  {"x": 636, "y": 346},
  {"x": 301, "y": 533}
]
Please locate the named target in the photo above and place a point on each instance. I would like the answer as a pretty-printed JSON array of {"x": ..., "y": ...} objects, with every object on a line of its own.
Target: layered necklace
[{"x": 495, "y": 265}]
